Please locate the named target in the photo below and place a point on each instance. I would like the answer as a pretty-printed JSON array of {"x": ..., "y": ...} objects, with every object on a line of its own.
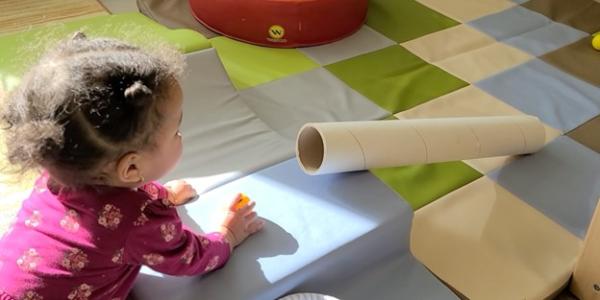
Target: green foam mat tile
[
  {"x": 404, "y": 20},
  {"x": 22, "y": 49},
  {"x": 250, "y": 65},
  {"x": 394, "y": 78},
  {"x": 422, "y": 184}
]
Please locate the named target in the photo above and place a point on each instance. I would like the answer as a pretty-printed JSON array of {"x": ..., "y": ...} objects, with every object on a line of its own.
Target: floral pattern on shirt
[
  {"x": 204, "y": 242},
  {"x": 34, "y": 220},
  {"x": 152, "y": 191},
  {"x": 75, "y": 260},
  {"x": 97, "y": 219},
  {"x": 166, "y": 202},
  {"x": 167, "y": 231},
  {"x": 81, "y": 292},
  {"x": 118, "y": 256},
  {"x": 29, "y": 260},
  {"x": 212, "y": 263},
  {"x": 145, "y": 204},
  {"x": 31, "y": 295},
  {"x": 41, "y": 187},
  {"x": 141, "y": 220},
  {"x": 153, "y": 259},
  {"x": 188, "y": 255},
  {"x": 70, "y": 222},
  {"x": 110, "y": 217}
]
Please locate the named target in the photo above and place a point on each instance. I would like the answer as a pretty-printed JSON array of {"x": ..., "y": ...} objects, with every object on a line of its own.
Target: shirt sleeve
[{"x": 159, "y": 240}]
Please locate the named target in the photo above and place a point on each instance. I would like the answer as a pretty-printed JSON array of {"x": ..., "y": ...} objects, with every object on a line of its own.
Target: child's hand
[
  {"x": 240, "y": 222},
  {"x": 180, "y": 192}
]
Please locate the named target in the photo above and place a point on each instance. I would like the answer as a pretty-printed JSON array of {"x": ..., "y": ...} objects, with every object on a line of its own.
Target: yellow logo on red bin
[{"x": 276, "y": 32}]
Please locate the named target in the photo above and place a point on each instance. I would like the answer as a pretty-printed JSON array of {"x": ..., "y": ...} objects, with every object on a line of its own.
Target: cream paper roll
[{"x": 333, "y": 147}]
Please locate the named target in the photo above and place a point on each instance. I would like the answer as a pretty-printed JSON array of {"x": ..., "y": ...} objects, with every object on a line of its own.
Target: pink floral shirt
[{"x": 91, "y": 244}]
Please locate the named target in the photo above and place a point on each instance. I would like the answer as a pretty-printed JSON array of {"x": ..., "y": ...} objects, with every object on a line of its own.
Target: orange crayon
[{"x": 242, "y": 201}]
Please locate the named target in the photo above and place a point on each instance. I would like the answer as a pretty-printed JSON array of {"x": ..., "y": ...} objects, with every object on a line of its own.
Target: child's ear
[{"x": 128, "y": 170}]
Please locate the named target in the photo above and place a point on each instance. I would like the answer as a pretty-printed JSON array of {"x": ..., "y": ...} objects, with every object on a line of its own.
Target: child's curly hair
[{"x": 87, "y": 102}]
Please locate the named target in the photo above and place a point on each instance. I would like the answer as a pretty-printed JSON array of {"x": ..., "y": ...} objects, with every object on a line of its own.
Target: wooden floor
[{"x": 16, "y": 15}]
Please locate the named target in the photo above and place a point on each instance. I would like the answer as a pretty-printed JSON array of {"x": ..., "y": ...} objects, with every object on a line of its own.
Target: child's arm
[
  {"x": 163, "y": 243},
  {"x": 166, "y": 245},
  {"x": 160, "y": 240}
]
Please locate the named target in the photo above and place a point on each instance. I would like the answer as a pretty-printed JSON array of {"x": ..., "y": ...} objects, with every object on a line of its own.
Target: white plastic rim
[{"x": 308, "y": 296}]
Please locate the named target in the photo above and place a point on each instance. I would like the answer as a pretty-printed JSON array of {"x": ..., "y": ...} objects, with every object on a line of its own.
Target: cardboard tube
[{"x": 323, "y": 148}]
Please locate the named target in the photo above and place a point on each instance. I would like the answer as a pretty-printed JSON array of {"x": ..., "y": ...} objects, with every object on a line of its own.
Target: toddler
[{"x": 100, "y": 118}]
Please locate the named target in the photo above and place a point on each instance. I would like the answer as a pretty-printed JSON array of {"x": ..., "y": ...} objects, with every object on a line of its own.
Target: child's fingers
[
  {"x": 186, "y": 193},
  {"x": 190, "y": 191},
  {"x": 255, "y": 226},
  {"x": 250, "y": 216},
  {"x": 246, "y": 209},
  {"x": 234, "y": 202}
]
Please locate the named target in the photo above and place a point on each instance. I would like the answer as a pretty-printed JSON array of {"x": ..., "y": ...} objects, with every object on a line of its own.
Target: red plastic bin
[{"x": 282, "y": 23}]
